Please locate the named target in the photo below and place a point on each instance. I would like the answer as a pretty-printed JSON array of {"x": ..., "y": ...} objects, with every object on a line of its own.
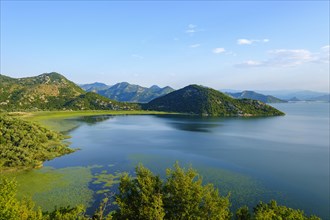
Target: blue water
[{"x": 285, "y": 157}]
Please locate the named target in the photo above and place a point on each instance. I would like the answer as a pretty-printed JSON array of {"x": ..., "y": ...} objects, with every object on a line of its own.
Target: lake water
[{"x": 284, "y": 158}]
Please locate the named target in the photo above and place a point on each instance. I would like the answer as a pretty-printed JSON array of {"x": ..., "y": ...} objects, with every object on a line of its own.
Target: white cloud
[
  {"x": 325, "y": 54},
  {"x": 191, "y": 29},
  {"x": 195, "y": 45},
  {"x": 284, "y": 57},
  {"x": 244, "y": 41},
  {"x": 249, "y": 42},
  {"x": 137, "y": 56},
  {"x": 191, "y": 26},
  {"x": 326, "y": 48},
  {"x": 289, "y": 58},
  {"x": 251, "y": 63},
  {"x": 218, "y": 50}
]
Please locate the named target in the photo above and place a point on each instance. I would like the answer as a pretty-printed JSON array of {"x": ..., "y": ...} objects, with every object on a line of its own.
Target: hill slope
[
  {"x": 125, "y": 92},
  {"x": 50, "y": 91},
  {"x": 205, "y": 101},
  {"x": 256, "y": 96},
  {"x": 94, "y": 87},
  {"x": 26, "y": 145}
]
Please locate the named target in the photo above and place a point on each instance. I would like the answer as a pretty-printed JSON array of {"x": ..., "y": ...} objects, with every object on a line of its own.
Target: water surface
[{"x": 284, "y": 158}]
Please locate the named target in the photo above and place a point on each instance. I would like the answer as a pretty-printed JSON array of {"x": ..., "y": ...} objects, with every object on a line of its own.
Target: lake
[{"x": 284, "y": 158}]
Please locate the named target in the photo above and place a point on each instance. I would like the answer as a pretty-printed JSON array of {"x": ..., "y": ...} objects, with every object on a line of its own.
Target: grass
[{"x": 54, "y": 119}]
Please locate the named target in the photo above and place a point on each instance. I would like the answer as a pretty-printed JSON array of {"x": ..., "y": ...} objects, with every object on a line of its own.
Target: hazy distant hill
[
  {"x": 126, "y": 92},
  {"x": 205, "y": 101},
  {"x": 50, "y": 91},
  {"x": 302, "y": 95},
  {"x": 255, "y": 96},
  {"x": 322, "y": 98},
  {"x": 94, "y": 87}
]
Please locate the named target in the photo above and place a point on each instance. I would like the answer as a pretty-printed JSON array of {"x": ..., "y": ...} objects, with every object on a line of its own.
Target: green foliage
[
  {"x": 66, "y": 213},
  {"x": 181, "y": 196},
  {"x": 51, "y": 91},
  {"x": 186, "y": 198},
  {"x": 199, "y": 100},
  {"x": 11, "y": 208},
  {"x": 243, "y": 213},
  {"x": 140, "y": 198},
  {"x": 272, "y": 211},
  {"x": 26, "y": 145},
  {"x": 269, "y": 211}
]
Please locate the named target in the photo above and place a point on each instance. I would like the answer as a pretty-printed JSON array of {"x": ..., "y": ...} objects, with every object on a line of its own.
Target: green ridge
[
  {"x": 200, "y": 100},
  {"x": 51, "y": 91}
]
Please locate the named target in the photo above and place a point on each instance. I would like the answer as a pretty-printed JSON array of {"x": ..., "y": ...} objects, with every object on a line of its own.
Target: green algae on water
[{"x": 49, "y": 187}]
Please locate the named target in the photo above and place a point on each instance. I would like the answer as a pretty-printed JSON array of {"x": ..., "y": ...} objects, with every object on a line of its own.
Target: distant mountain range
[
  {"x": 125, "y": 92},
  {"x": 205, "y": 101},
  {"x": 289, "y": 95},
  {"x": 51, "y": 91},
  {"x": 255, "y": 96},
  {"x": 94, "y": 87},
  {"x": 302, "y": 95}
]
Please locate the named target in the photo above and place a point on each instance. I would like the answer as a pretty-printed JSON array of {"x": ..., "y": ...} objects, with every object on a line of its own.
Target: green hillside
[
  {"x": 26, "y": 145},
  {"x": 50, "y": 91},
  {"x": 200, "y": 100}
]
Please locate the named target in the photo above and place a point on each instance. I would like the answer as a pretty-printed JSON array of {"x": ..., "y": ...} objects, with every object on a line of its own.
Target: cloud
[
  {"x": 191, "y": 29},
  {"x": 249, "y": 42},
  {"x": 137, "y": 56},
  {"x": 192, "y": 26},
  {"x": 195, "y": 45},
  {"x": 251, "y": 63},
  {"x": 244, "y": 41},
  {"x": 218, "y": 50},
  {"x": 325, "y": 54},
  {"x": 289, "y": 58}
]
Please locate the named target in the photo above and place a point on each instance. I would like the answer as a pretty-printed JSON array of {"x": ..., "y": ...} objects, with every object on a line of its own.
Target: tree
[
  {"x": 264, "y": 211},
  {"x": 186, "y": 198},
  {"x": 141, "y": 197},
  {"x": 243, "y": 213},
  {"x": 11, "y": 208},
  {"x": 181, "y": 196}
]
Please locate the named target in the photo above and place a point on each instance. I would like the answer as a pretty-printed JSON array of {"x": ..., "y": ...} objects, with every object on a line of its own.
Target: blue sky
[{"x": 255, "y": 45}]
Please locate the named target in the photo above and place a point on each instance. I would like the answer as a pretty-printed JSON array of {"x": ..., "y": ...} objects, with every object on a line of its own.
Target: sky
[{"x": 255, "y": 45}]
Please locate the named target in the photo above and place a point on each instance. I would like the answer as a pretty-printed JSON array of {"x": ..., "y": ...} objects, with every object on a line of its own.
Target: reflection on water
[
  {"x": 195, "y": 127},
  {"x": 92, "y": 120}
]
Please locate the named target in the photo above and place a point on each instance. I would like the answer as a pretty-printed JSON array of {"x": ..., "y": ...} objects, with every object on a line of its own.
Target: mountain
[
  {"x": 255, "y": 96},
  {"x": 322, "y": 98},
  {"x": 125, "y": 92},
  {"x": 50, "y": 91},
  {"x": 294, "y": 99},
  {"x": 94, "y": 87},
  {"x": 302, "y": 95},
  {"x": 200, "y": 100}
]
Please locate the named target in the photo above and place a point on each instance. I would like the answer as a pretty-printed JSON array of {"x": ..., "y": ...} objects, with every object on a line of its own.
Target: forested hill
[
  {"x": 209, "y": 102},
  {"x": 25, "y": 145},
  {"x": 51, "y": 91}
]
